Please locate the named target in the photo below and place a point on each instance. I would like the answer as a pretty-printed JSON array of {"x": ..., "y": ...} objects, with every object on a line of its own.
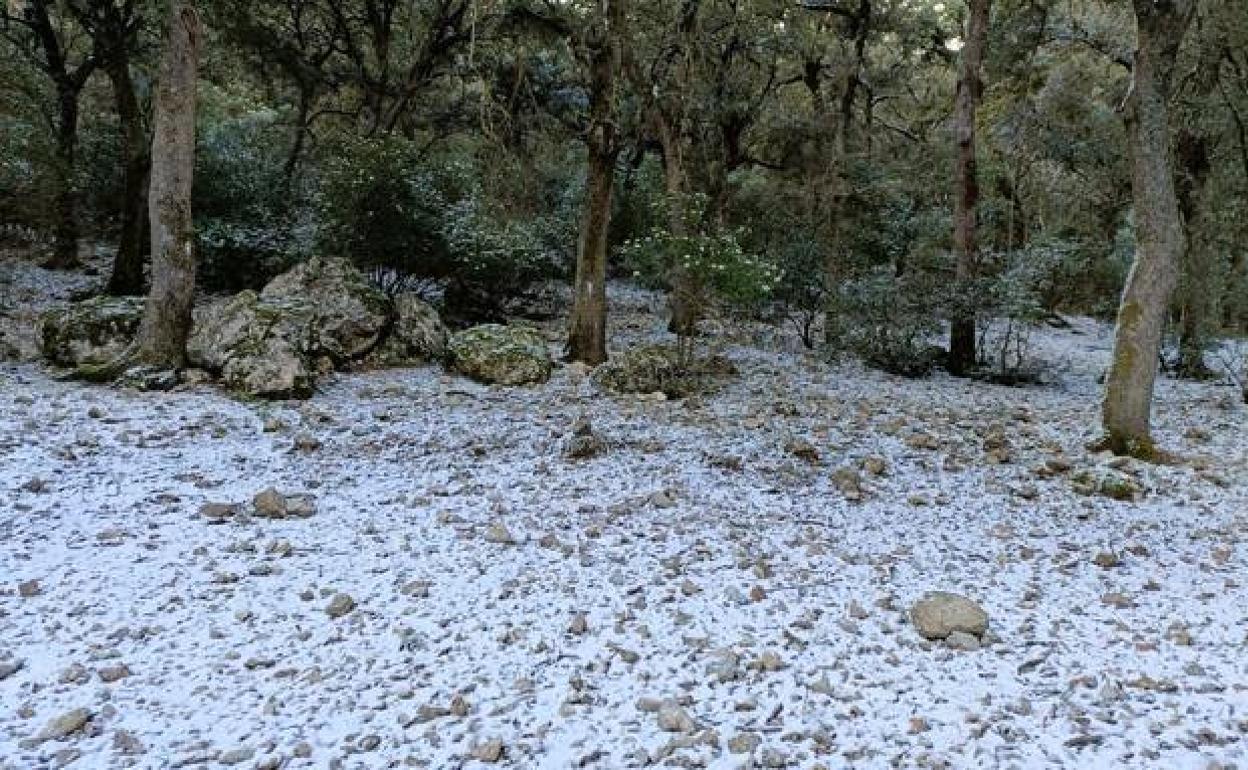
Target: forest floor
[{"x": 509, "y": 604}]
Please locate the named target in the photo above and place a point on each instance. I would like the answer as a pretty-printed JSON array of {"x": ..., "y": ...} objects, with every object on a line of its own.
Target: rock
[
  {"x": 491, "y": 751},
  {"x": 217, "y": 513},
  {"x": 497, "y": 532},
  {"x": 10, "y": 667},
  {"x": 348, "y": 314},
  {"x": 270, "y": 504},
  {"x": 28, "y": 589},
  {"x": 583, "y": 443},
  {"x": 673, "y": 719},
  {"x": 260, "y": 349},
  {"x": 236, "y": 756},
  {"x": 93, "y": 331},
  {"x": 960, "y": 640},
  {"x": 340, "y": 605},
  {"x": 1106, "y": 560},
  {"x": 505, "y": 355},
  {"x": 849, "y": 482},
  {"x": 306, "y": 442},
  {"x": 658, "y": 369},
  {"x": 1106, "y": 482},
  {"x": 939, "y": 614},
  {"x": 65, "y": 725},
  {"x": 125, "y": 743},
  {"x": 579, "y": 624},
  {"x": 744, "y": 743},
  {"x": 802, "y": 450},
  {"x": 418, "y": 334},
  {"x": 110, "y": 674}
]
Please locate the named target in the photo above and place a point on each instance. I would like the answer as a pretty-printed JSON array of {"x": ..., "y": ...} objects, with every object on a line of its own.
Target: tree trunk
[
  {"x": 1158, "y": 229},
  {"x": 166, "y": 322},
  {"x": 127, "y": 276},
  {"x": 65, "y": 254},
  {"x": 1197, "y": 293},
  {"x": 966, "y": 188},
  {"x": 682, "y": 301},
  {"x": 587, "y": 336}
]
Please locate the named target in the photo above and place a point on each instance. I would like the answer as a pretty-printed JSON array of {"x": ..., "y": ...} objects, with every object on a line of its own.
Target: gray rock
[
  {"x": 340, "y": 605},
  {"x": 659, "y": 369},
  {"x": 418, "y": 334},
  {"x": 270, "y": 504},
  {"x": 673, "y": 719},
  {"x": 93, "y": 331},
  {"x": 65, "y": 725},
  {"x": 939, "y": 614},
  {"x": 505, "y": 355},
  {"x": 10, "y": 667}
]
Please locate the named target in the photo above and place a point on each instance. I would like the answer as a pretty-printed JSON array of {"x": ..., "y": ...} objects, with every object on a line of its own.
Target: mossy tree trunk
[
  {"x": 1159, "y": 238},
  {"x": 162, "y": 336},
  {"x": 966, "y": 185},
  {"x": 587, "y": 336}
]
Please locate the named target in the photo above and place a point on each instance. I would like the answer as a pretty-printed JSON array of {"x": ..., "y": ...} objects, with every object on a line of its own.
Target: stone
[
  {"x": 658, "y": 369},
  {"x": 270, "y": 504},
  {"x": 28, "y": 589},
  {"x": 939, "y": 614},
  {"x": 417, "y": 335},
  {"x": 503, "y": 355},
  {"x": 10, "y": 667},
  {"x": 490, "y": 752},
  {"x": 65, "y": 725},
  {"x": 348, "y": 315},
  {"x": 110, "y": 674},
  {"x": 960, "y": 640},
  {"x": 236, "y": 756},
  {"x": 673, "y": 719},
  {"x": 91, "y": 332},
  {"x": 498, "y": 533},
  {"x": 259, "y": 349},
  {"x": 341, "y": 604},
  {"x": 744, "y": 743},
  {"x": 217, "y": 513}
]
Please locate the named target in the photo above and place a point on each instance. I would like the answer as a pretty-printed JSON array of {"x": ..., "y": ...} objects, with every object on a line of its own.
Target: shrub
[
  {"x": 252, "y": 221},
  {"x": 889, "y": 321}
]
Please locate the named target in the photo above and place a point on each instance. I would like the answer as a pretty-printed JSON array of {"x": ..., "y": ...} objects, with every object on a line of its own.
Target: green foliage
[
  {"x": 890, "y": 321},
  {"x": 712, "y": 264},
  {"x": 251, "y": 220}
]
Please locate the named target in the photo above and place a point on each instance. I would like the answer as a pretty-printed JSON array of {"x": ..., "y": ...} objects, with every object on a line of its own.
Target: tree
[
  {"x": 1159, "y": 237},
  {"x": 166, "y": 324},
  {"x": 30, "y": 25},
  {"x": 601, "y": 52},
  {"x": 966, "y": 185},
  {"x": 114, "y": 29}
]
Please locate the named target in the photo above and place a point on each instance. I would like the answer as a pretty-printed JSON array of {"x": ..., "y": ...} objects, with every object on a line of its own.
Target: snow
[{"x": 414, "y": 466}]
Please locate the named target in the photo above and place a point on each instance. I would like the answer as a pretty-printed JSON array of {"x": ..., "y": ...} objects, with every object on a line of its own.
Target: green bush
[{"x": 252, "y": 221}]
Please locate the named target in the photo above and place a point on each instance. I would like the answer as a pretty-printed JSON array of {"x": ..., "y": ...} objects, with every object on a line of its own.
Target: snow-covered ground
[{"x": 699, "y": 560}]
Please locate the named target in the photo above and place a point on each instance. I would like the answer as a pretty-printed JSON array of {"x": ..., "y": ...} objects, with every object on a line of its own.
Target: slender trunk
[
  {"x": 65, "y": 254},
  {"x": 587, "y": 338},
  {"x": 1197, "y": 292},
  {"x": 587, "y": 335},
  {"x": 1158, "y": 229},
  {"x": 166, "y": 322},
  {"x": 966, "y": 188},
  {"x": 682, "y": 301},
  {"x": 127, "y": 276}
]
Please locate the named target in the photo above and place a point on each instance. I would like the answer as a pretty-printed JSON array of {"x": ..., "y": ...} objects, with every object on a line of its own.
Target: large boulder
[
  {"x": 659, "y": 369},
  {"x": 940, "y": 614},
  {"x": 506, "y": 355},
  {"x": 349, "y": 315},
  {"x": 261, "y": 349},
  {"x": 93, "y": 331},
  {"x": 417, "y": 334}
]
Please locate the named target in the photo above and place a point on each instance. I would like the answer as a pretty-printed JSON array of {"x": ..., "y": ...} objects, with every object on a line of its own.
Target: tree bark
[
  {"x": 65, "y": 253},
  {"x": 1197, "y": 293},
  {"x": 127, "y": 275},
  {"x": 162, "y": 336},
  {"x": 587, "y": 336},
  {"x": 966, "y": 187},
  {"x": 1159, "y": 238}
]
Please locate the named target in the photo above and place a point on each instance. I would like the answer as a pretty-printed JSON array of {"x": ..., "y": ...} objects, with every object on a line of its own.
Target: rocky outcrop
[
  {"x": 321, "y": 315},
  {"x": 417, "y": 334},
  {"x": 659, "y": 369},
  {"x": 93, "y": 331},
  {"x": 505, "y": 355}
]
